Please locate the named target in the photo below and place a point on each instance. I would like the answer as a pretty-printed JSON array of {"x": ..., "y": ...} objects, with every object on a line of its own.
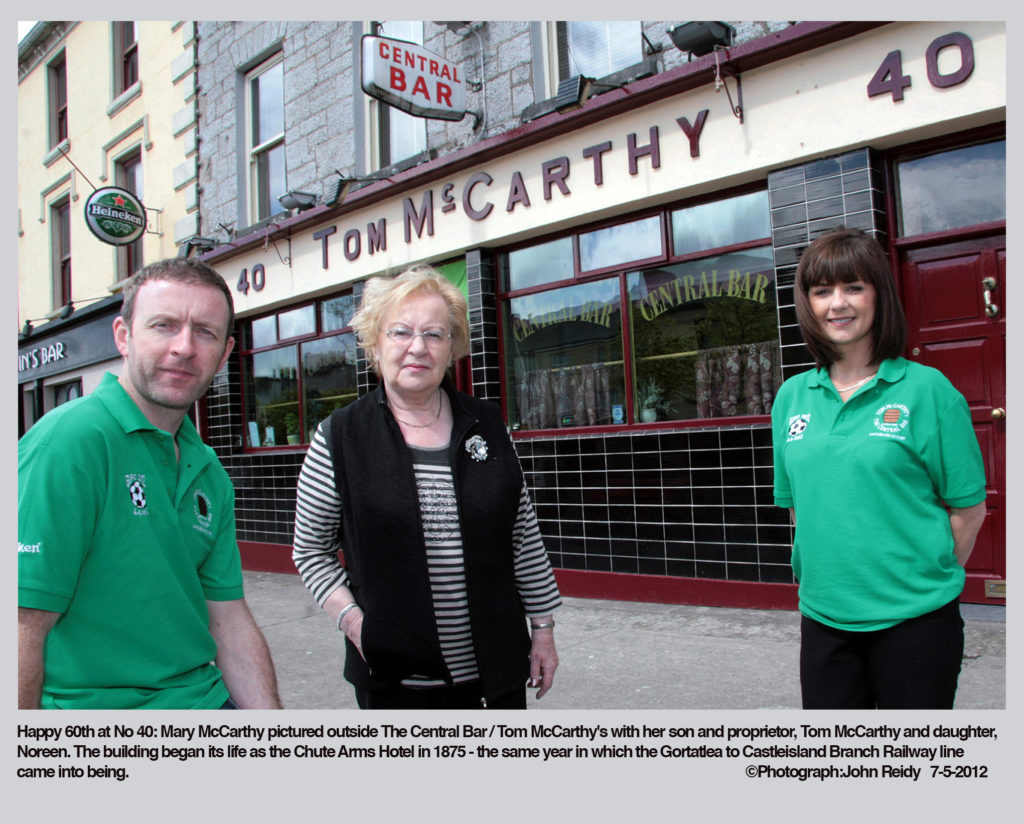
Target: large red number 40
[{"x": 890, "y": 79}]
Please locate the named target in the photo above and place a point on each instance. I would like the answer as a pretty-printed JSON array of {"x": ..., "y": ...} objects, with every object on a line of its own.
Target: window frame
[
  {"x": 621, "y": 272},
  {"x": 248, "y": 350},
  {"x": 261, "y": 199},
  {"x": 60, "y": 244},
  {"x": 130, "y": 257},
  {"x": 125, "y": 55},
  {"x": 57, "y": 108},
  {"x": 382, "y": 116},
  {"x": 555, "y": 31}
]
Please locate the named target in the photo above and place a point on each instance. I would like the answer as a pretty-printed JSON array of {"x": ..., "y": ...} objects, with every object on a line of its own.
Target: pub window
[
  {"x": 399, "y": 134},
  {"x": 128, "y": 175},
  {"x": 697, "y": 337},
  {"x": 596, "y": 48},
  {"x": 60, "y": 223},
  {"x": 563, "y": 353},
  {"x": 265, "y": 101},
  {"x": 64, "y": 392},
  {"x": 126, "y": 55},
  {"x": 58, "y": 108},
  {"x": 952, "y": 189},
  {"x": 298, "y": 366}
]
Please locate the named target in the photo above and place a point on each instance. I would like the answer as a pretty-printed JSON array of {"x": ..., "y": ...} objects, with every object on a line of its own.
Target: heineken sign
[{"x": 115, "y": 216}]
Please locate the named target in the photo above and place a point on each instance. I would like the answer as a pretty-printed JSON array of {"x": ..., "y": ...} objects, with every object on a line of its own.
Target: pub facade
[{"x": 627, "y": 242}]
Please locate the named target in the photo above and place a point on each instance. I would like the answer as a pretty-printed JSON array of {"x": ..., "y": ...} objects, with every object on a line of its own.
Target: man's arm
[
  {"x": 243, "y": 656},
  {"x": 33, "y": 627}
]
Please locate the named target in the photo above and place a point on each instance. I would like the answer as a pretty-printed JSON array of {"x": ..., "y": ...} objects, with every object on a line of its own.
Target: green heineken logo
[{"x": 115, "y": 216}]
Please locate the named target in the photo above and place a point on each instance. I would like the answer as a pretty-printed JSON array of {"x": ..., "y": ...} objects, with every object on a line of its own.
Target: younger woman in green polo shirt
[{"x": 877, "y": 460}]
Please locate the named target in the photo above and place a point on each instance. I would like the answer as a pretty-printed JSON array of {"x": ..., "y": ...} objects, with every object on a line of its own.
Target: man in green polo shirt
[{"x": 129, "y": 578}]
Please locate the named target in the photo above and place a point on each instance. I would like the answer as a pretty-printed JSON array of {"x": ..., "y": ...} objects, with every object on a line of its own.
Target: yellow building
[{"x": 100, "y": 104}]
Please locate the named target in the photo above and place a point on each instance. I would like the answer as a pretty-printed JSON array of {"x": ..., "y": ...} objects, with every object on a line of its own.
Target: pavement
[{"x": 620, "y": 654}]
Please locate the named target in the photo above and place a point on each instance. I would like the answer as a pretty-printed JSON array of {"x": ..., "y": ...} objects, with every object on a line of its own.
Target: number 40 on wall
[{"x": 890, "y": 79}]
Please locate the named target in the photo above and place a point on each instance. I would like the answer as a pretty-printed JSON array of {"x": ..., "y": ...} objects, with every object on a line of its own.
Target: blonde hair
[{"x": 383, "y": 295}]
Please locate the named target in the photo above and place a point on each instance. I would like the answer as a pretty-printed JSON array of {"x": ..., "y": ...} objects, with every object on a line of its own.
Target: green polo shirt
[
  {"x": 127, "y": 543},
  {"x": 869, "y": 481}
]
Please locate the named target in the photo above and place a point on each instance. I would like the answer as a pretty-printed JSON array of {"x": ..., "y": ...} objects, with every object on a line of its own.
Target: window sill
[
  {"x": 647, "y": 67},
  {"x": 57, "y": 152},
  {"x": 127, "y": 96}
]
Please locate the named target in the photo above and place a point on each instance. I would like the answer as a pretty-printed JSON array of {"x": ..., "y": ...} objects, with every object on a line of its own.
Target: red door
[{"x": 955, "y": 298}]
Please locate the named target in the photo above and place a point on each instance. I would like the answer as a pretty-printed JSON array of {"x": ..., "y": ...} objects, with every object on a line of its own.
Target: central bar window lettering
[{"x": 699, "y": 339}]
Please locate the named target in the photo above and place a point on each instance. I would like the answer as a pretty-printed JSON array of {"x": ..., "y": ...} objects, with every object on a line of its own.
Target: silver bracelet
[
  {"x": 345, "y": 611},
  {"x": 546, "y": 625}
]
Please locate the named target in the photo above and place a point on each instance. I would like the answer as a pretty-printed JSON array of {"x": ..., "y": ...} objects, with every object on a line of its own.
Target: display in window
[
  {"x": 564, "y": 350},
  {"x": 705, "y": 338}
]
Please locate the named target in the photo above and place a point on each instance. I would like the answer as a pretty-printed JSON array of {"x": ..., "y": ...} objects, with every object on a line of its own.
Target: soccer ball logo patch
[
  {"x": 137, "y": 491},
  {"x": 797, "y": 426}
]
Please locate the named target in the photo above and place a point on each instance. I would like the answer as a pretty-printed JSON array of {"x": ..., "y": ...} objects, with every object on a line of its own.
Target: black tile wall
[
  {"x": 806, "y": 201},
  {"x": 690, "y": 503}
]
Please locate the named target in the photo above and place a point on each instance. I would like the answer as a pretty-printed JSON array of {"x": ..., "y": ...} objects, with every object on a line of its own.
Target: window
[
  {"x": 952, "y": 189},
  {"x": 58, "y": 90},
  {"x": 298, "y": 366},
  {"x": 687, "y": 333},
  {"x": 266, "y": 138},
  {"x": 64, "y": 392},
  {"x": 60, "y": 215},
  {"x": 400, "y": 135},
  {"x": 126, "y": 55},
  {"x": 128, "y": 175},
  {"x": 594, "y": 48}
]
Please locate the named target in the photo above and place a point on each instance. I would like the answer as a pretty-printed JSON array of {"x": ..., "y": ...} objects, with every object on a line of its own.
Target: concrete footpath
[{"x": 620, "y": 654}]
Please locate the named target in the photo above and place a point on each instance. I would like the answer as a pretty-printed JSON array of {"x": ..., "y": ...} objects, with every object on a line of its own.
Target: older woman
[
  {"x": 877, "y": 460},
  {"x": 420, "y": 488}
]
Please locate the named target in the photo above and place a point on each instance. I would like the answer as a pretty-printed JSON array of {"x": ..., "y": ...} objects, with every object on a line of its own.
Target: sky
[{"x": 24, "y": 27}]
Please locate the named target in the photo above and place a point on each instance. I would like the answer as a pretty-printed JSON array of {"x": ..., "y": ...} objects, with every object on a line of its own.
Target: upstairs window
[
  {"x": 265, "y": 102},
  {"x": 126, "y": 55},
  {"x": 58, "y": 109},
  {"x": 594, "y": 48},
  {"x": 399, "y": 134},
  {"x": 128, "y": 175},
  {"x": 60, "y": 216}
]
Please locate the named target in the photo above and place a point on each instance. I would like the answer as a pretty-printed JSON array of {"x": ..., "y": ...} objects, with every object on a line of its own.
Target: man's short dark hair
[
  {"x": 182, "y": 270},
  {"x": 843, "y": 256}
]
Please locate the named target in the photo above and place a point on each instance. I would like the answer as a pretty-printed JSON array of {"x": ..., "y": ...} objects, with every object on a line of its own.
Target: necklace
[
  {"x": 437, "y": 416},
  {"x": 855, "y": 385}
]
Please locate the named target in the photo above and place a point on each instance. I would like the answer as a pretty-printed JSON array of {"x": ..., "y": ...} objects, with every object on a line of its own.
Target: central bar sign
[{"x": 410, "y": 78}]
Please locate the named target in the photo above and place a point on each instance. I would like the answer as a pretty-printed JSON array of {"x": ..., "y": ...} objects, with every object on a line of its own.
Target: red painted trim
[
  {"x": 618, "y": 586},
  {"x": 974, "y": 590},
  {"x": 259, "y": 557},
  {"x": 660, "y": 589}
]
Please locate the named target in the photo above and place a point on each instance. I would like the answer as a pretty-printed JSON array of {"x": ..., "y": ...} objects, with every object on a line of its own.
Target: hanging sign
[
  {"x": 408, "y": 77},
  {"x": 115, "y": 216}
]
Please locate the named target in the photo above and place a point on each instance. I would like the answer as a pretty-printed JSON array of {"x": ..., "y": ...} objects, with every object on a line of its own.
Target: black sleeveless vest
[{"x": 382, "y": 540}]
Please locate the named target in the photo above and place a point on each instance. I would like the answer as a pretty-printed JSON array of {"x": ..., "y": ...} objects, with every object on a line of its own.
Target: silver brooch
[{"x": 477, "y": 448}]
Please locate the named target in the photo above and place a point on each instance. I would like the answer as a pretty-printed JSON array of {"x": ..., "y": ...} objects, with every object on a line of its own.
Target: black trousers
[
  {"x": 912, "y": 665},
  {"x": 459, "y": 697}
]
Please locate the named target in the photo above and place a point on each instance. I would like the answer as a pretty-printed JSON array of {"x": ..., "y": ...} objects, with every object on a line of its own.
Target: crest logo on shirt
[
  {"x": 203, "y": 510},
  {"x": 797, "y": 426},
  {"x": 892, "y": 418},
  {"x": 137, "y": 491}
]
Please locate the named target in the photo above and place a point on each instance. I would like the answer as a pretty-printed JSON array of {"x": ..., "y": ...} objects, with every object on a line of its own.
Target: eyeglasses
[{"x": 403, "y": 336}]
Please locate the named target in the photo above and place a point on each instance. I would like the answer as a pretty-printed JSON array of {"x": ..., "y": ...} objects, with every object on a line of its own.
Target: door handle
[
  {"x": 998, "y": 413},
  {"x": 989, "y": 284}
]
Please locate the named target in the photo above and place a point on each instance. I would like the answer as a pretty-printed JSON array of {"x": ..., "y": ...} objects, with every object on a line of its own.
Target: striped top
[{"x": 315, "y": 551}]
